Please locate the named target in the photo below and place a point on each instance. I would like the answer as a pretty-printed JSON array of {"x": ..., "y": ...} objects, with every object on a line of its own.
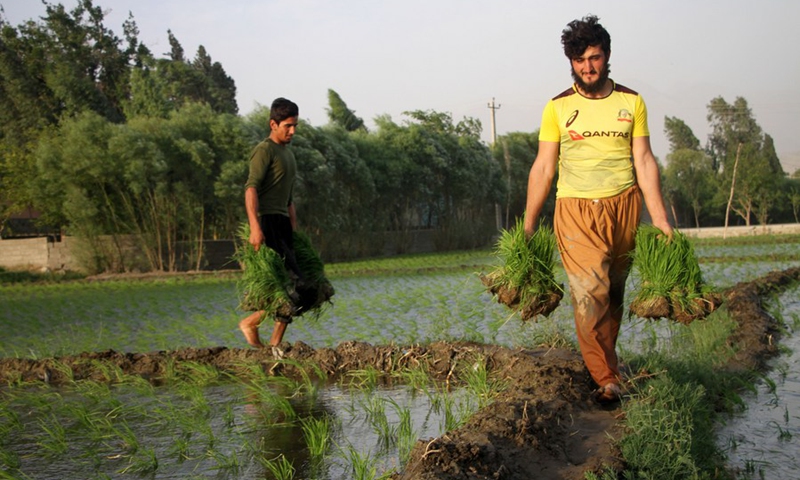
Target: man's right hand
[
  {"x": 256, "y": 238},
  {"x": 529, "y": 226},
  {"x": 529, "y": 232}
]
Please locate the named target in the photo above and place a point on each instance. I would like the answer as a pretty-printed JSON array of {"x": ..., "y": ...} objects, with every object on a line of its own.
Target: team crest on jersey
[{"x": 624, "y": 116}]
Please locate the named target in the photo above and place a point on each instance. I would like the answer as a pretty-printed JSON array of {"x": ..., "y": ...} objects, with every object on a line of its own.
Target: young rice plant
[
  {"x": 525, "y": 281},
  {"x": 672, "y": 284}
]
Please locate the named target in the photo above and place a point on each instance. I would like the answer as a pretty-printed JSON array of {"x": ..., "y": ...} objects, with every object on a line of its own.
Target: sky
[{"x": 457, "y": 56}]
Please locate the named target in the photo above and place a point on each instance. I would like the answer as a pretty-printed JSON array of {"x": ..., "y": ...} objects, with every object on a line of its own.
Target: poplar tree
[{"x": 339, "y": 114}]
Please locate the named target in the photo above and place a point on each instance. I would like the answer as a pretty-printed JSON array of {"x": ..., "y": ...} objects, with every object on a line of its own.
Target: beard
[{"x": 596, "y": 86}]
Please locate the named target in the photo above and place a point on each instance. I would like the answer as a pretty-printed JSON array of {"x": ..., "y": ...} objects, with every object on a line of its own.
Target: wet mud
[{"x": 544, "y": 425}]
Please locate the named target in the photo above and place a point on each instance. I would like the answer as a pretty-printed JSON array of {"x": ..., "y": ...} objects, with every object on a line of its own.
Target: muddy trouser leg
[{"x": 594, "y": 239}]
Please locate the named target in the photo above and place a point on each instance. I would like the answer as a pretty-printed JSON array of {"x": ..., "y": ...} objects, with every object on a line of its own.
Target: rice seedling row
[{"x": 204, "y": 425}]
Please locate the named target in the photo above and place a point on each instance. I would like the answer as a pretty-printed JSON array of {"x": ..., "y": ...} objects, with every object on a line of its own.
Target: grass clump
[
  {"x": 672, "y": 284},
  {"x": 266, "y": 283},
  {"x": 525, "y": 282},
  {"x": 673, "y": 408},
  {"x": 317, "y": 434},
  {"x": 670, "y": 432},
  {"x": 479, "y": 382}
]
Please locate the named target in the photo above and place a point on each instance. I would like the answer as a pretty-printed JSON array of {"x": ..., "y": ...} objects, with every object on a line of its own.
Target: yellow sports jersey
[{"x": 595, "y": 137}]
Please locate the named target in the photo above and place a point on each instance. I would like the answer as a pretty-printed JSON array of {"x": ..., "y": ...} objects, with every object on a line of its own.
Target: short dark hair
[
  {"x": 282, "y": 109},
  {"x": 582, "y": 34}
]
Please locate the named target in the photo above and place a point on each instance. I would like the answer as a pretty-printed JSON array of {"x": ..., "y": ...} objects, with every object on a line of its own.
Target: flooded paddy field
[
  {"x": 762, "y": 440},
  {"x": 196, "y": 422}
]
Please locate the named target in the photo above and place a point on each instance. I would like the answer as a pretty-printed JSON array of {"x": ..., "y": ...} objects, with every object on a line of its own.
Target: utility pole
[
  {"x": 493, "y": 108},
  {"x": 498, "y": 212}
]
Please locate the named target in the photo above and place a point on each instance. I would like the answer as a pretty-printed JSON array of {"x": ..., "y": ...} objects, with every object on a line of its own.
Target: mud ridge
[{"x": 544, "y": 425}]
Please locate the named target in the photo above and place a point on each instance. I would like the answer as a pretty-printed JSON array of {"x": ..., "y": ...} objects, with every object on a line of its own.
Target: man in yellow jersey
[{"x": 596, "y": 133}]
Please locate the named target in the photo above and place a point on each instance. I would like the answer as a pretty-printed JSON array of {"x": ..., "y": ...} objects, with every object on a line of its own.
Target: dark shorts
[{"x": 278, "y": 235}]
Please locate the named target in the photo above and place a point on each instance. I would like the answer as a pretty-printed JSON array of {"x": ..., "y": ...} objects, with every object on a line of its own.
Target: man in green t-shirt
[{"x": 268, "y": 201}]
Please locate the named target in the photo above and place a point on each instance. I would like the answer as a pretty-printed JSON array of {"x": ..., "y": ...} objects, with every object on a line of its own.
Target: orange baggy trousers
[{"x": 595, "y": 238}]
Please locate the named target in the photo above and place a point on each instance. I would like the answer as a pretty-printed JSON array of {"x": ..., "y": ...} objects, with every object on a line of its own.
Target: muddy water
[{"x": 764, "y": 440}]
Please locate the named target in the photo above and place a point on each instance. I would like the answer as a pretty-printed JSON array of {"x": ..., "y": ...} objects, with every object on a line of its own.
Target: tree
[
  {"x": 220, "y": 88},
  {"x": 689, "y": 177},
  {"x": 339, "y": 114},
  {"x": 514, "y": 152},
  {"x": 679, "y": 134},
  {"x": 176, "y": 50},
  {"x": 390, "y": 153},
  {"x": 79, "y": 186},
  {"x": 747, "y": 157},
  {"x": 731, "y": 125},
  {"x": 150, "y": 91},
  {"x": 794, "y": 197},
  {"x": 350, "y": 196},
  {"x": 464, "y": 183},
  {"x": 161, "y": 86},
  {"x": 66, "y": 63},
  {"x": 159, "y": 180}
]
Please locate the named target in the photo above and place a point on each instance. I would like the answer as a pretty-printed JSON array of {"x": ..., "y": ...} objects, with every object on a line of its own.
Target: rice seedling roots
[
  {"x": 544, "y": 425},
  {"x": 542, "y": 304},
  {"x": 663, "y": 307}
]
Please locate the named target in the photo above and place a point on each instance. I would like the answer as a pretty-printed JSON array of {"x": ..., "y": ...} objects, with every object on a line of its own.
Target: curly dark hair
[
  {"x": 282, "y": 109},
  {"x": 582, "y": 34}
]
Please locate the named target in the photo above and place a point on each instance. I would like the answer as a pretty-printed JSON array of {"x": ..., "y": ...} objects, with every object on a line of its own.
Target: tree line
[
  {"x": 121, "y": 148},
  {"x": 131, "y": 151},
  {"x": 736, "y": 177}
]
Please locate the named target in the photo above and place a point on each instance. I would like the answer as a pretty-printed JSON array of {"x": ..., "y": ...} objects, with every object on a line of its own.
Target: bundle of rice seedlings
[
  {"x": 265, "y": 282},
  {"x": 525, "y": 281},
  {"x": 317, "y": 289},
  {"x": 671, "y": 283}
]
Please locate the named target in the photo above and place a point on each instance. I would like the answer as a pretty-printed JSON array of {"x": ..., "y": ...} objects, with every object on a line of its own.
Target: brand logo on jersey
[
  {"x": 587, "y": 134},
  {"x": 571, "y": 118},
  {"x": 575, "y": 135},
  {"x": 624, "y": 116}
]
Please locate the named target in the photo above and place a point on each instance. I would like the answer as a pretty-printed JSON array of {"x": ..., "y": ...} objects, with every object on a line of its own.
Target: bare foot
[{"x": 250, "y": 332}]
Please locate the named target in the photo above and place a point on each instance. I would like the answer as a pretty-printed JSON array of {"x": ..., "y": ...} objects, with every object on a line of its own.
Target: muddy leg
[{"x": 249, "y": 327}]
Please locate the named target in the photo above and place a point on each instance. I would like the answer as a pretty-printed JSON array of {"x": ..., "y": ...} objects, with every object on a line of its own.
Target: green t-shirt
[{"x": 272, "y": 172}]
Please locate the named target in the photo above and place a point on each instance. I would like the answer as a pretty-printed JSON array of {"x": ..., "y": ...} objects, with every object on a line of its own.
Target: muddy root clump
[
  {"x": 539, "y": 304},
  {"x": 684, "y": 312}
]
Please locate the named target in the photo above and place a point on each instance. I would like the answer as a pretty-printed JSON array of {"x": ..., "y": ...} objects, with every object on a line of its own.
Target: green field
[{"x": 204, "y": 424}]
